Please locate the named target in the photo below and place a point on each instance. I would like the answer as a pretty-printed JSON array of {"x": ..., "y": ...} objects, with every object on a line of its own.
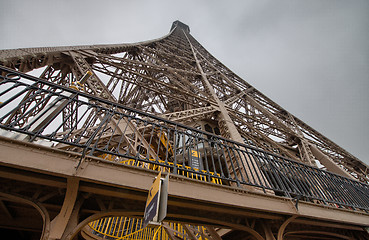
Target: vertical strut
[{"x": 228, "y": 129}]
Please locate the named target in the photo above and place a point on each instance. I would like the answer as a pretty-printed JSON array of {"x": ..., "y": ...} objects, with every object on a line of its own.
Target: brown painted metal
[
  {"x": 61, "y": 221},
  {"x": 213, "y": 233},
  {"x": 176, "y": 78},
  {"x": 283, "y": 227},
  {"x": 268, "y": 231},
  {"x": 23, "y": 155},
  {"x": 45, "y": 231},
  {"x": 216, "y": 203},
  {"x": 166, "y": 71}
]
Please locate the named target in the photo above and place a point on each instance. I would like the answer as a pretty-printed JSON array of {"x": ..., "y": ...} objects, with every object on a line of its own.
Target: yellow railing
[
  {"x": 116, "y": 227},
  {"x": 184, "y": 172},
  {"x": 142, "y": 234},
  {"x": 181, "y": 170},
  {"x": 125, "y": 228},
  {"x": 130, "y": 228}
]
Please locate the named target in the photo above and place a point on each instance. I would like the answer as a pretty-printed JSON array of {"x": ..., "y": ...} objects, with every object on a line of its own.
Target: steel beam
[{"x": 52, "y": 162}]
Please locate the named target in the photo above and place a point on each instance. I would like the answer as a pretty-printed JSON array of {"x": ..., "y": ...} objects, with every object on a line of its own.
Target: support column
[
  {"x": 328, "y": 163},
  {"x": 229, "y": 129},
  {"x": 305, "y": 152},
  {"x": 283, "y": 227},
  {"x": 267, "y": 230},
  {"x": 74, "y": 219},
  {"x": 213, "y": 233},
  {"x": 60, "y": 222}
]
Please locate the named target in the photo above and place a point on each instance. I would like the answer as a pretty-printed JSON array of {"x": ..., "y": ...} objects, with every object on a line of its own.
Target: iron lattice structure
[
  {"x": 168, "y": 105},
  {"x": 174, "y": 77}
]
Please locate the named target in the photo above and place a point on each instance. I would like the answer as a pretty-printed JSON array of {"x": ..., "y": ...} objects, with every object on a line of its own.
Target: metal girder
[
  {"x": 171, "y": 56},
  {"x": 283, "y": 227},
  {"x": 36, "y": 205},
  {"x": 191, "y": 115},
  {"x": 6, "y": 210},
  {"x": 127, "y": 177},
  {"x": 60, "y": 222},
  {"x": 227, "y": 126}
]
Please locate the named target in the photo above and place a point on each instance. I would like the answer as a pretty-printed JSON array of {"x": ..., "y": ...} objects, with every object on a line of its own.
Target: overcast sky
[{"x": 311, "y": 57}]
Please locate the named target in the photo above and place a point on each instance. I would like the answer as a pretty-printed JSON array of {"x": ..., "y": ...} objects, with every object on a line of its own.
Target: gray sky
[{"x": 310, "y": 57}]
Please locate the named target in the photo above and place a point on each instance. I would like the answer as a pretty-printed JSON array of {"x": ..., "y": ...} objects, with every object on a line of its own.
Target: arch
[
  {"x": 38, "y": 206},
  {"x": 283, "y": 227},
  {"x": 219, "y": 222},
  {"x": 96, "y": 216}
]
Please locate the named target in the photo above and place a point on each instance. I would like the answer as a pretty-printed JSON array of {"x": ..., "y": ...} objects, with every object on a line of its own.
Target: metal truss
[
  {"x": 125, "y": 135},
  {"x": 168, "y": 104},
  {"x": 166, "y": 76}
]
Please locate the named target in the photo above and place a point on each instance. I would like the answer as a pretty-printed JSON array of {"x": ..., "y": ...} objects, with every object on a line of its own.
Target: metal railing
[
  {"x": 39, "y": 111},
  {"x": 121, "y": 228},
  {"x": 131, "y": 228}
]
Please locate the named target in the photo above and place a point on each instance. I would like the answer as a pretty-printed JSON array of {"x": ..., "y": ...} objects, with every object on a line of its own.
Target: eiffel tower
[{"x": 82, "y": 141}]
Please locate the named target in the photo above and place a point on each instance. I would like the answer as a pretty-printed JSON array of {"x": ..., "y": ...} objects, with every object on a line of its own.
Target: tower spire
[{"x": 180, "y": 25}]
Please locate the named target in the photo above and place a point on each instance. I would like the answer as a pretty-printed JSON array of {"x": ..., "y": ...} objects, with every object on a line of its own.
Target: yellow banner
[
  {"x": 154, "y": 189},
  {"x": 195, "y": 153}
]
